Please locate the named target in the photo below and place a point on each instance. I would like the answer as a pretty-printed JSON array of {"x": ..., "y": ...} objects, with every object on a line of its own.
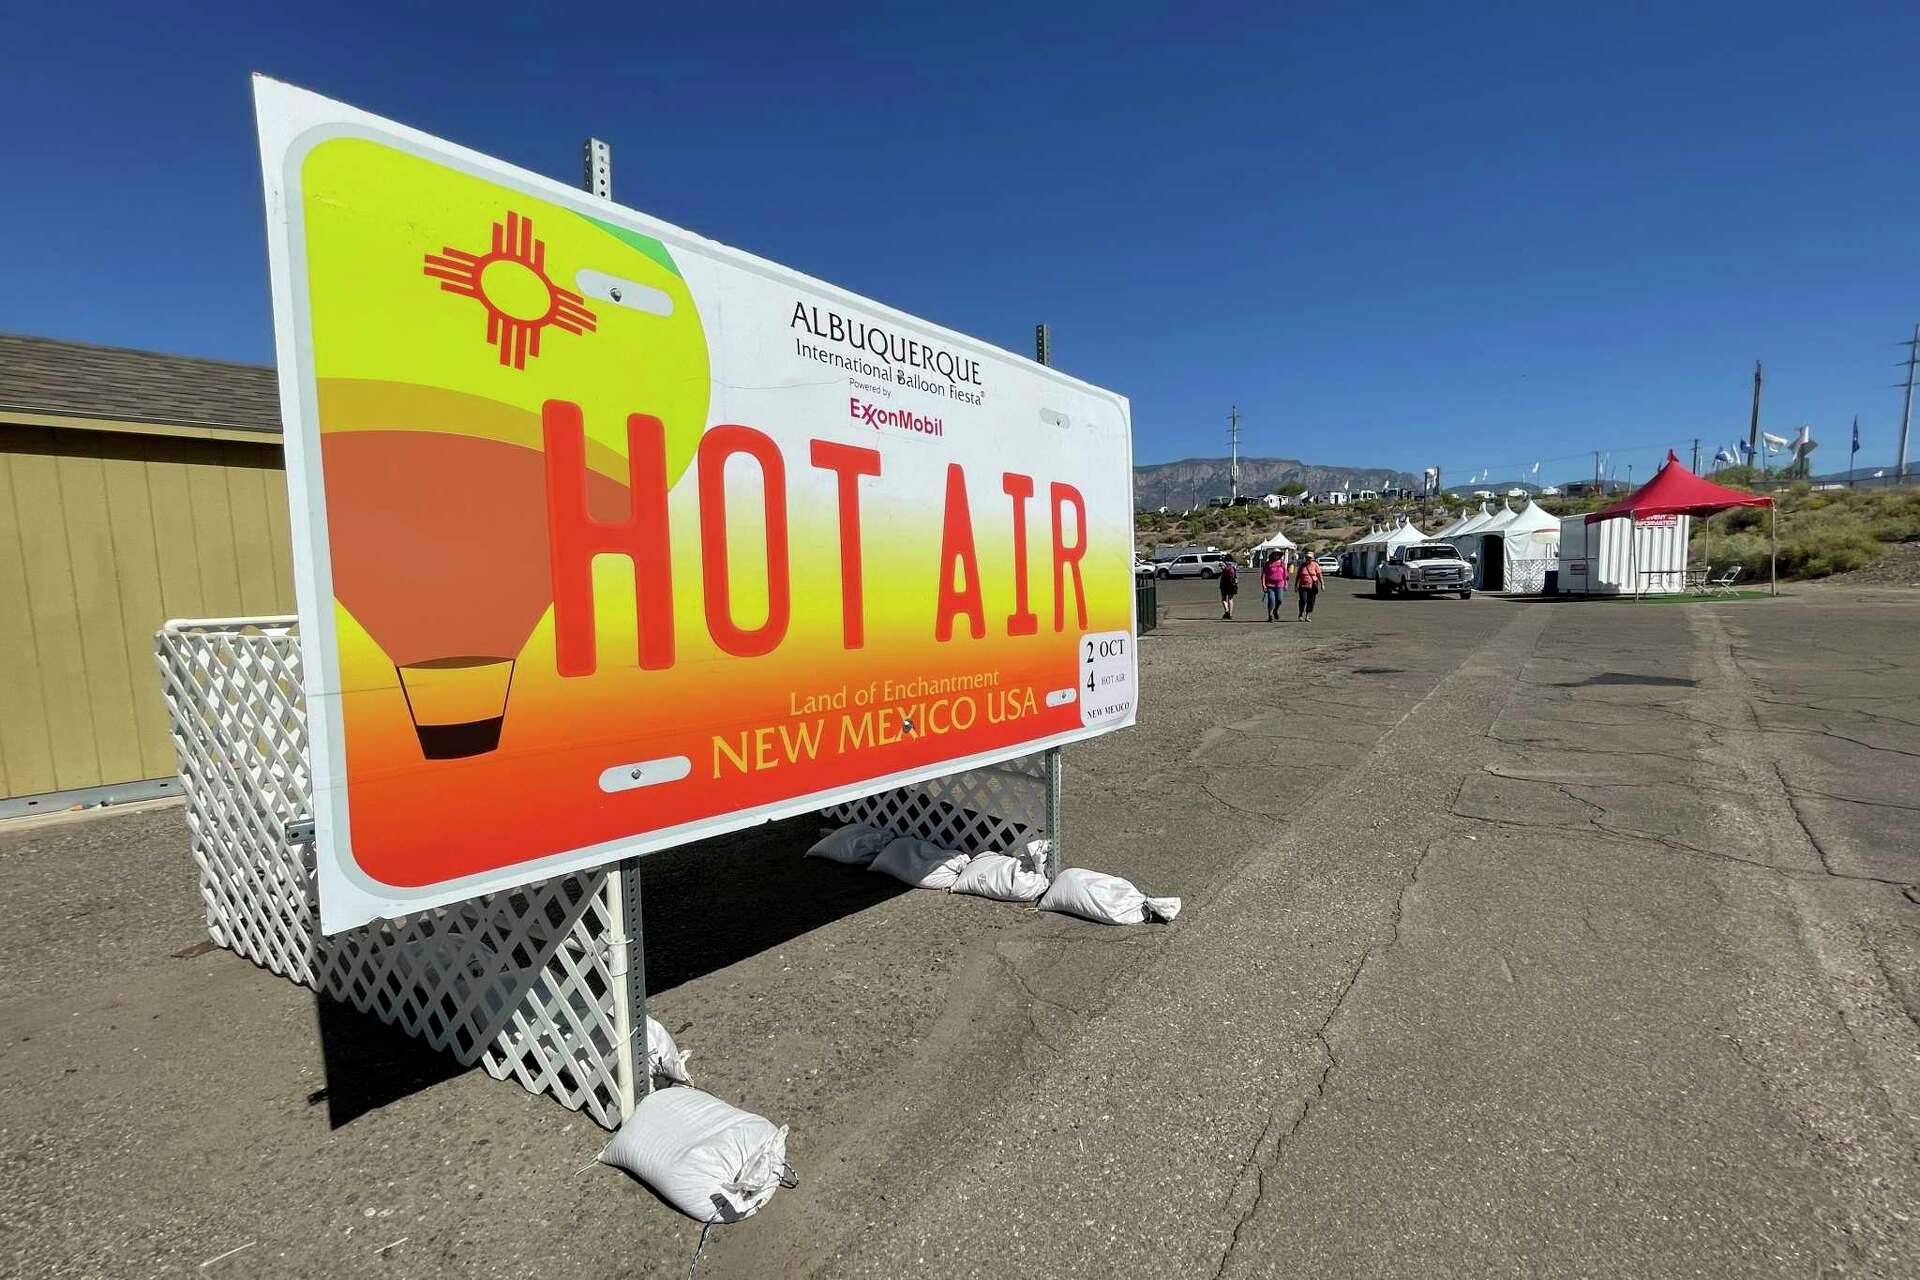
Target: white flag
[{"x": 1774, "y": 443}]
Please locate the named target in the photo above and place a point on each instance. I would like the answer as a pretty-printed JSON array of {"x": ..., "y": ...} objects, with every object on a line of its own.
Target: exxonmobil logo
[{"x": 878, "y": 416}]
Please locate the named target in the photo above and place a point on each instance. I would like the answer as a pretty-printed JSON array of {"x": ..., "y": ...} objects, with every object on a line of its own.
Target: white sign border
[{"x": 291, "y": 122}]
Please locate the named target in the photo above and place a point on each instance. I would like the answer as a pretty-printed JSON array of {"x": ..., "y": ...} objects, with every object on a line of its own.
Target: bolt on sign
[{"x": 609, "y": 537}]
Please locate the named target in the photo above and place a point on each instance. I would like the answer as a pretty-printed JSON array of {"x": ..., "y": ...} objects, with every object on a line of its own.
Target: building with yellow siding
[{"x": 134, "y": 487}]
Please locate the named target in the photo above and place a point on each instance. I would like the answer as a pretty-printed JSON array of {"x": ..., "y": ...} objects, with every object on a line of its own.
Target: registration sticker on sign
[{"x": 1106, "y": 678}]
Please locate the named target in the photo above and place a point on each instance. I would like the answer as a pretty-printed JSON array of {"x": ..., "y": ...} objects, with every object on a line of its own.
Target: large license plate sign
[{"x": 608, "y": 537}]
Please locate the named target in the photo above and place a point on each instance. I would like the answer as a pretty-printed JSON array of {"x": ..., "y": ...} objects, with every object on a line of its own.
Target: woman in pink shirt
[
  {"x": 1306, "y": 583},
  {"x": 1273, "y": 577}
]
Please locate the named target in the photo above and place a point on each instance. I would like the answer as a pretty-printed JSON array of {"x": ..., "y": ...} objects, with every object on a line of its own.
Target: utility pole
[
  {"x": 1753, "y": 423},
  {"x": 1233, "y": 437},
  {"x": 1906, "y": 415},
  {"x": 1696, "y": 455}
]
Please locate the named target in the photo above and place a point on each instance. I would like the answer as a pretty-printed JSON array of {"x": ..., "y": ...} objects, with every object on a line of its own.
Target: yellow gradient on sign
[{"x": 373, "y": 214}]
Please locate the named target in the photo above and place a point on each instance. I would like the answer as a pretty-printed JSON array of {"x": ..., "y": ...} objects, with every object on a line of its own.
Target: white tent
[
  {"x": 1278, "y": 543},
  {"x": 1377, "y": 546},
  {"x": 1473, "y": 521},
  {"x": 1458, "y": 523},
  {"x": 1500, "y": 520},
  {"x": 1477, "y": 542},
  {"x": 1356, "y": 562},
  {"x": 1516, "y": 552},
  {"x": 1404, "y": 535}
]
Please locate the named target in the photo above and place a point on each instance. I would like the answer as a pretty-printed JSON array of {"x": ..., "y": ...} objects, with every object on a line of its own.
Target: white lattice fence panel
[
  {"x": 1000, "y": 807},
  {"x": 521, "y": 982},
  {"x": 1528, "y": 577}
]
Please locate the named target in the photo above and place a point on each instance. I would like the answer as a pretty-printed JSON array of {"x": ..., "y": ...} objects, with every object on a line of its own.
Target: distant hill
[{"x": 1191, "y": 481}]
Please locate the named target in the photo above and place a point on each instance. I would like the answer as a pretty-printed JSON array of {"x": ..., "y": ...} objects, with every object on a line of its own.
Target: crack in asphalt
[
  {"x": 1206, "y": 786},
  {"x": 1875, "y": 804},
  {"x": 1678, "y": 846},
  {"x": 1261, "y": 1167},
  {"x": 1793, "y": 806},
  {"x": 1826, "y": 732},
  {"x": 1034, "y": 997},
  {"x": 1839, "y": 711}
]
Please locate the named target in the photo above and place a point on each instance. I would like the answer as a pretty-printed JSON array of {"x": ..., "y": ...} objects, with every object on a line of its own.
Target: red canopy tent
[{"x": 1674, "y": 490}]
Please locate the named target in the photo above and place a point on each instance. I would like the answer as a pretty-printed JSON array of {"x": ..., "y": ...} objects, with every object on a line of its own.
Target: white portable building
[{"x": 1605, "y": 559}]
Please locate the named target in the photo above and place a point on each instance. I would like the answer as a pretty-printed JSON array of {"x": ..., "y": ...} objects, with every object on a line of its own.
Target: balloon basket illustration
[
  {"x": 458, "y": 705},
  {"x": 453, "y": 614}
]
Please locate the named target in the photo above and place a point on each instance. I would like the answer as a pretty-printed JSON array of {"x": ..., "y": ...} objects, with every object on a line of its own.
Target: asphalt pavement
[{"x": 1520, "y": 938}]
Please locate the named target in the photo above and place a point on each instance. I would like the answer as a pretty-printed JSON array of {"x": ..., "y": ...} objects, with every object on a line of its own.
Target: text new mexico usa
[{"x": 608, "y": 537}]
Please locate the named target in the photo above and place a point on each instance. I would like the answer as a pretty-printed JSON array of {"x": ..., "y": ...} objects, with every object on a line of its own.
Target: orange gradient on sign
[
  {"x": 445, "y": 565},
  {"x": 551, "y": 565}
]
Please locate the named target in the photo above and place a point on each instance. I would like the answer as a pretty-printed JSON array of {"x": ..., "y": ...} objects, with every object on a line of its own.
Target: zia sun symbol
[{"x": 510, "y": 281}]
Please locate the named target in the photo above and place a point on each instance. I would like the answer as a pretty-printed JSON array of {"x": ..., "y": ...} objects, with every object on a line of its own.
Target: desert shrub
[
  {"x": 1748, "y": 550},
  {"x": 1819, "y": 551}
]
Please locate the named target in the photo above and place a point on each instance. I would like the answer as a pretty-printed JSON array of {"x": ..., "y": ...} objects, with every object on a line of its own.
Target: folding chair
[{"x": 1723, "y": 585}]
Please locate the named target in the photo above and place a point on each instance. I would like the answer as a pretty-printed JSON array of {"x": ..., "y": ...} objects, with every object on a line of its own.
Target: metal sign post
[
  {"x": 628, "y": 945},
  {"x": 1043, "y": 353}
]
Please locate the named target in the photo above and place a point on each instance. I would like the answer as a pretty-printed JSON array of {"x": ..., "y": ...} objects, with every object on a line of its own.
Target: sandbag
[
  {"x": 711, "y": 1161},
  {"x": 920, "y": 863},
  {"x": 854, "y": 844},
  {"x": 664, "y": 1057},
  {"x": 1106, "y": 899},
  {"x": 995, "y": 875}
]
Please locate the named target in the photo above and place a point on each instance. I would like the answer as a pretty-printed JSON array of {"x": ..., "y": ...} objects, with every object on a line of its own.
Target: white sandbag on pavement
[
  {"x": 1107, "y": 899},
  {"x": 711, "y": 1161},
  {"x": 664, "y": 1056},
  {"x": 920, "y": 863},
  {"x": 995, "y": 875},
  {"x": 854, "y": 844}
]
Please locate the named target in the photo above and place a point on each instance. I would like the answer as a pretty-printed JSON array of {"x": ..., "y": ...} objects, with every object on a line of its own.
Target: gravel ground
[{"x": 1898, "y": 567}]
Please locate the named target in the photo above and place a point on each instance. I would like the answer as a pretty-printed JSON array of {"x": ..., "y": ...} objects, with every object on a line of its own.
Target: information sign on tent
[{"x": 608, "y": 537}]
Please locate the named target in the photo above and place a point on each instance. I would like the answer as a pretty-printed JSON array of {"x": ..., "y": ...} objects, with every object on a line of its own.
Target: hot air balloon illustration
[
  {"x": 453, "y": 612},
  {"x": 446, "y": 310}
]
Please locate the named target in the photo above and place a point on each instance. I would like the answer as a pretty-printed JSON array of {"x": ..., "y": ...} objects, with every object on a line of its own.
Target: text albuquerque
[{"x": 863, "y": 335}]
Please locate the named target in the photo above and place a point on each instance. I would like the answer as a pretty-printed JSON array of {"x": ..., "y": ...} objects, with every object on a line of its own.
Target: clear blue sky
[{"x": 1393, "y": 236}]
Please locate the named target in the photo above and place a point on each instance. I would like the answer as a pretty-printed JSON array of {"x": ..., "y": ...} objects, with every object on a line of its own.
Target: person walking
[
  {"x": 1274, "y": 578},
  {"x": 1306, "y": 585},
  {"x": 1229, "y": 588}
]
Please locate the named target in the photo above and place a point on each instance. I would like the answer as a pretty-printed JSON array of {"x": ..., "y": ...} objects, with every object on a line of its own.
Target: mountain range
[{"x": 1191, "y": 481}]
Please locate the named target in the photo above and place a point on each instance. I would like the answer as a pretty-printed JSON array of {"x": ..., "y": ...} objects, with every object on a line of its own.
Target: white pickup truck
[{"x": 1424, "y": 567}]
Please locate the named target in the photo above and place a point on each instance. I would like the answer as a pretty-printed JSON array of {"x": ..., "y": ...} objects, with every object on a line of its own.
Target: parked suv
[
  {"x": 1422, "y": 568},
  {"x": 1198, "y": 564}
]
